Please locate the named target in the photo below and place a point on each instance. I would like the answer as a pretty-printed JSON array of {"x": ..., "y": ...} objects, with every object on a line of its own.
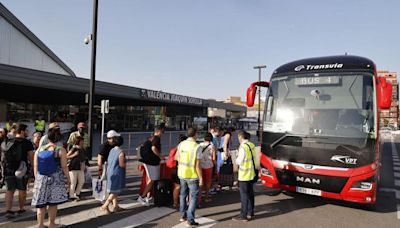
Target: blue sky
[{"x": 208, "y": 48}]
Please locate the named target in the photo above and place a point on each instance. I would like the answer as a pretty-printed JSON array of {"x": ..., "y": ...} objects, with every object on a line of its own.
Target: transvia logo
[
  {"x": 299, "y": 68},
  {"x": 344, "y": 159},
  {"x": 319, "y": 67}
]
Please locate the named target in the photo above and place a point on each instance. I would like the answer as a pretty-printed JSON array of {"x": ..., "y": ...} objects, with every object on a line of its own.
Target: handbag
[
  {"x": 227, "y": 167},
  {"x": 256, "y": 177}
]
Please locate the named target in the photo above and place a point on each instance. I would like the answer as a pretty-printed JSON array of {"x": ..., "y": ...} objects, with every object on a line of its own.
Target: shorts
[
  {"x": 13, "y": 183},
  {"x": 207, "y": 175},
  {"x": 153, "y": 171}
]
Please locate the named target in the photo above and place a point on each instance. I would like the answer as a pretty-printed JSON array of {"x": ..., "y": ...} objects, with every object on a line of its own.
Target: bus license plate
[{"x": 308, "y": 191}]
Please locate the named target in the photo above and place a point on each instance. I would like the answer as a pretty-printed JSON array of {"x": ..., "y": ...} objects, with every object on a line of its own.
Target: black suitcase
[{"x": 163, "y": 193}]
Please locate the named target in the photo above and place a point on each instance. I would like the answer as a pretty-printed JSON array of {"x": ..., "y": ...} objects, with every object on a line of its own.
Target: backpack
[
  {"x": 47, "y": 163},
  {"x": 145, "y": 150},
  {"x": 11, "y": 156},
  {"x": 171, "y": 163}
]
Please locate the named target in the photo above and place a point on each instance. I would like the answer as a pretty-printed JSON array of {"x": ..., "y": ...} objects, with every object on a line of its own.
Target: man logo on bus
[{"x": 344, "y": 159}]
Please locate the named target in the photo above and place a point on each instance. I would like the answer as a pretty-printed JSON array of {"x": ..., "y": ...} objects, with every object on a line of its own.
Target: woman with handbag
[
  {"x": 248, "y": 175},
  {"x": 225, "y": 174}
]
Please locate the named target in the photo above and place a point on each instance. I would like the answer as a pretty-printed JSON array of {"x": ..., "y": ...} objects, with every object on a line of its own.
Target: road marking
[
  {"x": 397, "y": 174},
  {"x": 397, "y": 183},
  {"x": 395, "y": 168},
  {"x": 141, "y": 218},
  {"x": 397, "y": 192},
  {"x": 396, "y": 163},
  {"x": 398, "y": 211},
  {"x": 204, "y": 223},
  {"x": 88, "y": 214}
]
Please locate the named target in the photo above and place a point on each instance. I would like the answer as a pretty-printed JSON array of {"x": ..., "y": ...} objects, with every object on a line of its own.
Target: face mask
[
  {"x": 215, "y": 135},
  {"x": 81, "y": 131}
]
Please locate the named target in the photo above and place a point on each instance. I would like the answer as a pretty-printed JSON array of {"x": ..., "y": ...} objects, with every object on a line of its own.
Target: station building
[{"x": 35, "y": 82}]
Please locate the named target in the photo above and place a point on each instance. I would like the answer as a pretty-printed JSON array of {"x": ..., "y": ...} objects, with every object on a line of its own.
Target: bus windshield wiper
[{"x": 284, "y": 136}]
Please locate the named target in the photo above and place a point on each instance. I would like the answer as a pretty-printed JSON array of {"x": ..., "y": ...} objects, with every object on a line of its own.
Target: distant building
[{"x": 391, "y": 117}]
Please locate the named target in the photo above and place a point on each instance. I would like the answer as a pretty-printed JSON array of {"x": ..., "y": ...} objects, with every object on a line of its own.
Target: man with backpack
[
  {"x": 150, "y": 152},
  {"x": 17, "y": 160}
]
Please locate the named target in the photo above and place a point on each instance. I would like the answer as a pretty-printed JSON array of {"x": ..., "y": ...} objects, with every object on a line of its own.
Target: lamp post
[
  {"x": 259, "y": 67},
  {"x": 93, "y": 38}
]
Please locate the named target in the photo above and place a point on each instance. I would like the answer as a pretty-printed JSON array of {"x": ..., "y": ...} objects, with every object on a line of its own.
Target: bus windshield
[{"x": 337, "y": 105}]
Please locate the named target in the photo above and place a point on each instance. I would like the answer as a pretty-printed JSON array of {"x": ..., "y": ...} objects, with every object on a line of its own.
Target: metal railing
[{"x": 170, "y": 139}]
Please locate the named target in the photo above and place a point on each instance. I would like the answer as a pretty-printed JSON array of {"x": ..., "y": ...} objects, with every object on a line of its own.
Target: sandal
[
  {"x": 118, "y": 209},
  {"x": 10, "y": 214},
  {"x": 105, "y": 210},
  {"x": 20, "y": 212}
]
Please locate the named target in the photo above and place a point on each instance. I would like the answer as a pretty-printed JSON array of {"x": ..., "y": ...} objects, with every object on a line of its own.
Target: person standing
[
  {"x": 225, "y": 174},
  {"x": 36, "y": 140},
  {"x": 105, "y": 149},
  {"x": 151, "y": 157},
  {"x": 50, "y": 188},
  {"x": 44, "y": 140},
  {"x": 40, "y": 125},
  {"x": 190, "y": 175},
  {"x": 207, "y": 164},
  {"x": 173, "y": 165},
  {"x": 247, "y": 172},
  {"x": 9, "y": 124},
  {"x": 80, "y": 132},
  {"x": 3, "y": 134},
  {"x": 76, "y": 168},
  {"x": 116, "y": 176},
  {"x": 13, "y": 131},
  {"x": 18, "y": 155}
]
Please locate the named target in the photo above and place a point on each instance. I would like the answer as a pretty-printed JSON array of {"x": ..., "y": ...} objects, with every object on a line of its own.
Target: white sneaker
[
  {"x": 149, "y": 201},
  {"x": 141, "y": 200}
]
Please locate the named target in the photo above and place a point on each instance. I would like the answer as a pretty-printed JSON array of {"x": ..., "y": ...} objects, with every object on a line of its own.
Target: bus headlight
[
  {"x": 365, "y": 185},
  {"x": 265, "y": 172}
]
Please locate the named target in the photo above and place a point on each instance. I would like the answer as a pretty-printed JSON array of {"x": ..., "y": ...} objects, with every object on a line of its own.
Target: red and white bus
[{"x": 320, "y": 133}]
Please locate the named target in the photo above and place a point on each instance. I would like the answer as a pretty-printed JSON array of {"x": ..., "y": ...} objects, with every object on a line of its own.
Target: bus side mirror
[
  {"x": 384, "y": 93},
  {"x": 251, "y": 92},
  {"x": 251, "y": 95}
]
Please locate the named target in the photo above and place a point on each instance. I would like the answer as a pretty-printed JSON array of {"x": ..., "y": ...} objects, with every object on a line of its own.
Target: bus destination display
[{"x": 329, "y": 80}]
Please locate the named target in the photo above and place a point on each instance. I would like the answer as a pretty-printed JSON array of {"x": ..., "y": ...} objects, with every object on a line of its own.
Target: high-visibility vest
[
  {"x": 246, "y": 169},
  {"x": 187, "y": 159},
  {"x": 8, "y": 126},
  {"x": 40, "y": 125}
]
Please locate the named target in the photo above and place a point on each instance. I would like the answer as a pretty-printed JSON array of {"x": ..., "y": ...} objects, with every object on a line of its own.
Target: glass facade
[{"x": 122, "y": 118}]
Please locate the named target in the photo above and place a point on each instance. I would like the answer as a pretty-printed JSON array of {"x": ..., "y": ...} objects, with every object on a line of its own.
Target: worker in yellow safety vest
[
  {"x": 247, "y": 173},
  {"x": 188, "y": 156},
  {"x": 40, "y": 125}
]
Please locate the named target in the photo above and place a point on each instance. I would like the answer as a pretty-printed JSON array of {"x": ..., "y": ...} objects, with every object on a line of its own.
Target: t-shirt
[
  {"x": 105, "y": 149},
  {"x": 206, "y": 160},
  {"x": 26, "y": 146},
  {"x": 148, "y": 156},
  {"x": 156, "y": 142},
  {"x": 76, "y": 162}
]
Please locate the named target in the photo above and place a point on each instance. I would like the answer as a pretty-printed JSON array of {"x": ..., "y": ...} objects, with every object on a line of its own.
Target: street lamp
[
  {"x": 259, "y": 99},
  {"x": 92, "y": 37}
]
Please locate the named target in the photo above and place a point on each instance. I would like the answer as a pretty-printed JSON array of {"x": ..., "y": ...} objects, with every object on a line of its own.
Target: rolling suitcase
[{"x": 162, "y": 193}]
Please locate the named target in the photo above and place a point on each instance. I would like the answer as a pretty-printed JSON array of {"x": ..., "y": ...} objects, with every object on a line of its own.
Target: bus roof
[{"x": 327, "y": 64}]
